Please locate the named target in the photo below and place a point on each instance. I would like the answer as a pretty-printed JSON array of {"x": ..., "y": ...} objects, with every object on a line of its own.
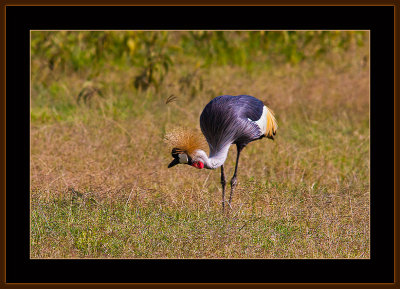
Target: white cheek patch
[{"x": 183, "y": 159}]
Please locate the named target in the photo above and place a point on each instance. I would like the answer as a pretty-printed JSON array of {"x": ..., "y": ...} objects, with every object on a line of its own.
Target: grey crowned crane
[{"x": 225, "y": 120}]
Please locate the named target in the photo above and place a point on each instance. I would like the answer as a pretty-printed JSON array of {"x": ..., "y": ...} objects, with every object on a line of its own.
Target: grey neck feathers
[{"x": 215, "y": 159}]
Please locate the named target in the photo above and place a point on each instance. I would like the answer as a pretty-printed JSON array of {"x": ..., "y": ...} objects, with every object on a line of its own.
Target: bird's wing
[
  {"x": 272, "y": 125},
  {"x": 267, "y": 123}
]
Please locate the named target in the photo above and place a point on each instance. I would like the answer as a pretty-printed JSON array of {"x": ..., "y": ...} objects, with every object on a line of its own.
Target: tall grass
[
  {"x": 100, "y": 186},
  {"x": 154, "y": 52}
]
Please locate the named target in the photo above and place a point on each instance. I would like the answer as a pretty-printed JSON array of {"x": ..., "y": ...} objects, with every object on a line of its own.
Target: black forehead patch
[{"x": 176, "y": 152}]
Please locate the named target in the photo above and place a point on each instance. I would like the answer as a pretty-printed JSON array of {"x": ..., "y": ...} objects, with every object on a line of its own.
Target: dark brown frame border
[{"x": 3, "y": 6}]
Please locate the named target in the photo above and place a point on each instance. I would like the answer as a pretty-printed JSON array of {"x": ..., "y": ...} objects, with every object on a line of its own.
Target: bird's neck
[{"x": 216, "y": 159}]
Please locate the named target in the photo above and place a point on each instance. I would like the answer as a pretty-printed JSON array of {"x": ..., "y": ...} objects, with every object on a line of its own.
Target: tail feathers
[{"x": 272, "y": 125}]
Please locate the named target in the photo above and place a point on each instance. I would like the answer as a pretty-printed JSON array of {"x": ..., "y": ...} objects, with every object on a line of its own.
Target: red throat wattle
[{"x": 198, "y": 165}]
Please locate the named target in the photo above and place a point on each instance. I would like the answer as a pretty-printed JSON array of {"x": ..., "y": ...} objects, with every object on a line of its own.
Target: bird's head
[
  {"x": 181, "y": 157},
  {"x": 187, "y": 147}
]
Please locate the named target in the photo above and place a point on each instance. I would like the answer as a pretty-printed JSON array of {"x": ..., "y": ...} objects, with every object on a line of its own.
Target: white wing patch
[{"x": 262, "y": 122}]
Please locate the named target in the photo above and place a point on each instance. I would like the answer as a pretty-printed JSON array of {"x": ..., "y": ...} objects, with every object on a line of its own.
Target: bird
[{"x": 224, "y": 121}]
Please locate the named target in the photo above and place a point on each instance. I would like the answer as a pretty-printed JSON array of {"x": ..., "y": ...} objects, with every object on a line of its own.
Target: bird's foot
[{"x": 223, "y": 206}]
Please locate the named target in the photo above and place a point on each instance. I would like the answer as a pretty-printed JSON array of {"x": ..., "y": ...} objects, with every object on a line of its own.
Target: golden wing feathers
[{"x": 272, "y": 124}]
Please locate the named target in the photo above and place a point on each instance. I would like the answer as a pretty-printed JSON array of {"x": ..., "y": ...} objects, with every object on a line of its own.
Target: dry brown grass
[{"x": 304, "y": 195}]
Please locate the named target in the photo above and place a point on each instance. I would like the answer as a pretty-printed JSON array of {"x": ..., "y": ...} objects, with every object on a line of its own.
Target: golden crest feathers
[{"x": 187, "y": 140}]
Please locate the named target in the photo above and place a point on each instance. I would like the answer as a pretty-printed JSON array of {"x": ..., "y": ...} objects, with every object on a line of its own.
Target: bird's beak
[{"x": 173, "y": 163}]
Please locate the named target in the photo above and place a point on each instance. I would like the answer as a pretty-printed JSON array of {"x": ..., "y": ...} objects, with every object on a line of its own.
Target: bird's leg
[
  {"x": 233, "y": 180},
  {"x": 223, "y": 183}
]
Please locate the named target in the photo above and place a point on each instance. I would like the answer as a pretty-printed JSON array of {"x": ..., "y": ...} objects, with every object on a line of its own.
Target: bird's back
[{"x": 231, "y": 119}]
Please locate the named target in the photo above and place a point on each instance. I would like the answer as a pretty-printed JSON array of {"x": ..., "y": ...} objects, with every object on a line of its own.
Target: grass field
[{"x": 100, "y": 186}]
